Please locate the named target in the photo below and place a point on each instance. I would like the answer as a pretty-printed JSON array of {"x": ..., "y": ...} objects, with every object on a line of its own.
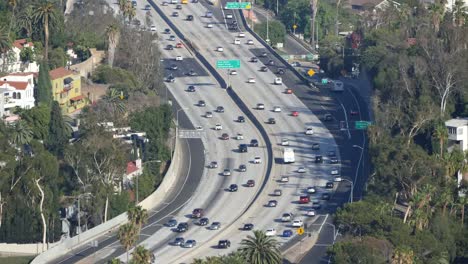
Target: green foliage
[
  {"x": 260, "y": 249},
  {"x": 119, "y": 203},
  {"x": 44, "y": 86},
  {"x": 365, "y": 250},
  {"x": 148, "y": 181},
  {"x": 59, "y": 132},
  {"x": 106, "y": 74},
  {"x": 57, "y": 58},
  {"x": 37, "y": 118},
  {"x": 82, "y": 52},
  {"x": 276, "y": 32},
  {"x": 27, "y": 55}
]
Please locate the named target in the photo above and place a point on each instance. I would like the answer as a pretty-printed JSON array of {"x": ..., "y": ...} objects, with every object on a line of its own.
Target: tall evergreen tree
[
  {"x": 58, "y": 131},
  {"x": 44, "y": 91}
]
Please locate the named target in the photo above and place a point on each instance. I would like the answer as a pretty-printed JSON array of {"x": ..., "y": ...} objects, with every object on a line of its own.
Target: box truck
[{"x": 288, "y": 155}]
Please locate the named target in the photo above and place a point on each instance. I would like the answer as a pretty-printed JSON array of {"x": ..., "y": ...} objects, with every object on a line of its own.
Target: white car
[
  {"x": 241, "y": 35},
  {"x": 178, "y": 58},
  {"x": 251, "y": 80},
  {"x": 250, "y": 42},
  {"x": 219, "y": 49},
  {"x": 278, "y": 80},
  {"x": 284, "y": 142},
  {"x": 209, "y": 115},
  {"x": 311, "y": 190},
  {"x": 228, "y": 16},
  {"x": 237, "y": 42},
  {"x": 239, "y": 136},
  {"x": 260, "y": 106},
  {"x": 153, "y": 28},
  {"x": 276, "y": 109},
  {"x": 335, "y": 172},
  {"x": 309, "y": 131},
  {"x": 286, "y": 217},
  {"x": 310, "y": 212},
  {"x": 218, "y": 127},
  {"x": 284, "y": 179},
  {"x": 257, "y": 160},
  {"x": 270, "y": 232},
  {"x": 337, "y": 179},
  {"x": 209, "y": 25},
  {"x": 233, "y": 72},
  {"x": 301, "y": 170},
  {"x": 297, "y": 223},
  {"x": 227, "y": 172}
]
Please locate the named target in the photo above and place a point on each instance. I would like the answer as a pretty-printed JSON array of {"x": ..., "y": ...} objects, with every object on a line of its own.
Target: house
[
  {"x": 16, "y": 90},
  {"x": 66, "y": 89},
  {"x": 13, "y": 59},
  {"x": 457, "y": 133}
]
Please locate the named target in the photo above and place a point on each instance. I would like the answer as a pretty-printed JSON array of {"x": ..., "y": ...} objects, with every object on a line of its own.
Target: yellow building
[{"x": 66, "y": 90}]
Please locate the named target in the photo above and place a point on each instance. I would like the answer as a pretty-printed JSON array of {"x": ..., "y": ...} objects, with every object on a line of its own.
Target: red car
[
  {"x": 250, "y": 183},
  {"x": 304, "y": 199},
  {"x": 179, "y": 45},
  {"x": 289, "y": 91},
  {"x": 295, "y": 113}
]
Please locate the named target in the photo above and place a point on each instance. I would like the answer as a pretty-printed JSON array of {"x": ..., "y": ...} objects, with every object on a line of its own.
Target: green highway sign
[
  {"x": 236, "y": 5},
  {"x": 362, "y": 124},
  {"x": 228, "y": 64}
]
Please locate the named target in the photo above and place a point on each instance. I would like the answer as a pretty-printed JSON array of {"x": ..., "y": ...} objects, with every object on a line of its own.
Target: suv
[
  {"x": 220, "y": 109},
  {"x": 254, "y": 143},
  {"x": 241, "y": 119},
  {"x": 189, "y": 18},
  {"x": 243, "y": 148},
  {"x": 233, "y": 188},
  {"x": 250, "y": 183},
  {"x": 242, "y": 168},
  {"x": 271, "y": 121},
  {"x": 204, "y": 221},
  {"x": 213, "y": 165},
  {"x": 182, "y": 227},
  {"x": 197, "y": 213},
  {"x": 201, "y": 103},
  {"x": 303, "y": 199},
  {"x": 224, "y": 244}
]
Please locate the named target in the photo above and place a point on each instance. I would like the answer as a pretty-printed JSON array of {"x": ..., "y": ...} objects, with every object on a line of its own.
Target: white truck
[
  {"x": 288, "y": 155},
  {"x": 338, "y": 86}
]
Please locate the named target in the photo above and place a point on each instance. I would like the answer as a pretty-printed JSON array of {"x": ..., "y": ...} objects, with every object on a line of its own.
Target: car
[
  {"x": 353, "y": 112},
  {"x": 209, "y": 115},
  {"x": 250, "y": 183},
  {"x": 219, "y": 49},
  {"x": 178, "y": 241},
  {"x": 260, "y": 106},
  {"x": 167, "y": 31},
  {"x": 311, "y": 190},
  {"x": 179, "y": 45},
  {"x": 197, "y": 213},
  {"x": 233, "y": 72},
  {"x": 199, "y": 128},
  {"x": 272, "y": 203},
  {"x": 178, "y": 7},
  {"x": 301, "y": 170},
  {"x": 296, "y": 64},
  {"x": 318, "y": 159},
  {"x": 174, "y": 1},
  {"x": 316, "y": 206},
  {"x": 297, "y": 223},
  {"x": 239, "y": 136},
  {"x": 270, "y": 232},
  {"x": 172, "y": 38},
  {"x": 278, "y": 81},
  {"x": 328, "y": 117},
  {"x": 241, "y": 119},
  {"x": 191, "y": 73},
  {"x": 284, "y": 179},
  {"x": 333, "y": 160},
  {"x": 209, "y": 25},
  {"x": 220, "y": 109},
  {"x": 170, "y": 79},
  {"x": 329, "y": 185},
  {"x": 257, "y": 160},
  {"x": 248, "y": 227},
  {"x": 226, "y": 172},
  {"x": 277, "y": 192},
  {"x": 175, "y": 14},
  {"x": 325, "y": 196},
  {"x": 284, "y": 142},
  {"x": 331, "y": 153},
  {"x": 253, "y": 59},
  {"x": 250, "y": 42},
  {"x": 337, "y": 179},
  {"x": 271, "y": 62},
  {"x": 303, "y": 199},
  {"x": 224, "y": 136},
  {"x": 271, "y": 121},
  {"x": 174, "y": 67},
  {"x": 209, "y": 14},
  {"x": 228, "y": 16},
  {"x": 251, "y": 80},
  {"x": 179, "y": 58},
  {"x": 147, "y": 7},
  {"x": 237, "y": 42},
  {"x": 191, "y": 88},
  {"x": 169, "y": 47},
  {"x": 233, "y": 188},
  {"x": 263, "y": 54},
  {"x": 194, "y": 1},
  {"x": 264, "y": 68},
  {"x": 201, "y": 103},
  {"x": 241, "y": 35},
  {"x": 153, "y": 28},
  {"x": 335, "y": 172},
  {"x": 315, "y": 146},
  {"x": 295, "y": 113},
  {"x": 287, "y": 233},
  {"x": 164, "y": 3},
  {"x": 215, "y": 226},
  {"x": 171, "y": 223},
  {"x": 234, "y": 23},
  {"x": 182, "y": 227},
  {"x": 224, "y": 244},
  {"x": 310, "y": 212},
  {"x": 276, "y": 109},
  {"x": 254, "y": 143},
  {"x": 189, "y": 18},
  {"x": 203, "y": 221},
  {"x": 218, "y": 127},
  {"x": 309, "y": 131},
  {"x": 280, "y": 71},
  {"x": 288, "y": 91},
  {"x": 190, "y": 243},
  {"x": 243, "y": 148},
  {"x": 213, "y": 165},
  {"x": 287, "y": 217}
]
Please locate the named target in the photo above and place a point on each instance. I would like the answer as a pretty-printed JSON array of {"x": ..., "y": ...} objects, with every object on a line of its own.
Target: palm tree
[
  {"x": 25, "y": 20},
  {"x": 463, "y": 201},
  {"x": 21, "y": 133},
  {"x": 122, "y": 4},
  {"x": 437, "y": 12},
  {"x": 127, "y": 236},
  {"x": 441, "y": 133},
  {"x": 113, "y": 101},
  {"x": 459, "y": 11},
  {"x": 129, "y": 11},
  {"x": 5, "y": 46},
  {"x": 13, "y": 4},
  {"x": 141, "y": 255},
  {"x": 45, "y": 14},
  {"x": 112, "y": 32},
  {"x": 403, "y": 255},
  {"x": 260, "y": 249},
  {"x": 114, "y": 261},
  {"x": 138, "y": 216}
]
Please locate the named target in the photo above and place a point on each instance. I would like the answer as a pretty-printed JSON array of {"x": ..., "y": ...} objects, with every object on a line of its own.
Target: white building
[
  {"x": 13, "y": 60},
  {"x": 17, "y": 90},
  {"x": 457, "y": 133}
]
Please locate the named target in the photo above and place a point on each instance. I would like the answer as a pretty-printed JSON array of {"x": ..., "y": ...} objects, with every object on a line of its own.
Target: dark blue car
[{"x": 287, "y": 233}]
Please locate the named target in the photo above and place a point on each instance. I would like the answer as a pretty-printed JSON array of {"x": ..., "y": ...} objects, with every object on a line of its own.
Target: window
[
  {"x": 18, "y": 95},
  {"x": 14, "y": 95},
  {"x": 452, "y": 130},
  {"x": 76, "y": 90}
]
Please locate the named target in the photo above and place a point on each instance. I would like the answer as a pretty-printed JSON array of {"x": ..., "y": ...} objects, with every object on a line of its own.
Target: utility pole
[
  {"x": 313, "y": 13},
  {"x": 336, "y": 17},
  {"x": 268, "y": 31}
]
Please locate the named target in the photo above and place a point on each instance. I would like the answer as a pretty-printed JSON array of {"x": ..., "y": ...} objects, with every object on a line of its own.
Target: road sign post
[
  {"x": 300, "y": 231},
  {"x": 311, "y": 72},
  {"x": 237, "y": 5},
  {"x": 362, "y": 125},
  {"x": 227, "y": 64}
]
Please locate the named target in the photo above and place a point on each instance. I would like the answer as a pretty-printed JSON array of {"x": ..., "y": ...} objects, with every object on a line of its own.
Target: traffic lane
[{"x": 184, "y": 68}]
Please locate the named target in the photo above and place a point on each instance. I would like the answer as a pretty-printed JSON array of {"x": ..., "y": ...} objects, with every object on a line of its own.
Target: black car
[
  {"x": 174, "y": 67},
  {"x": 191, "y": 88},
  {"x": 333, "y": 160},
  {"x": 318, "y": 159},
  {"x": 263, "y": 54},
  {"x": 329, "y": 185},
  {"x": 147, "y": 7},
  {"x": 169, "y": 47},
  {"x": 271, "y": 62},
  {"x": 254, "y": 143},
  {"x": 178, "y": 241},
  {"x": 254, "y": 59},
  {"x": 325, "y": 196},
  {"x": 167, "y": 31},
  {"x": 271, "y": 121},
  {"x": 204, "y": 221},
  {"x": 248, "y": 227},
  {"x": 175, "y": 14},
  {"x": 241, "y": 119},
  {"x": 224, "y": 244},
  {"x": 280, "y": 71},
  {"x": 243, "y": 148},
  {"x": 328, "y": 117},
  {"x": 220, "y": 109},
  {"x": 170, "y": 79},
  {"x": 201, "y": 103},
  {"x": 171, "y": 223},
  {"x": 182, "y": 227},
  {"x": 191, "y": 73},
  {"x": 242, "y": 168},
  {"x": 234, "y": 22},
  {"x": 189, "y": 18},
  {"x": 178, "y": 7},
  {"x": 264, "y": 69},
  {"x": 233, "y": 188}
]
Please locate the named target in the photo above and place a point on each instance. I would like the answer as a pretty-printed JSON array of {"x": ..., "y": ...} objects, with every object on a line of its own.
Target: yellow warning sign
[
  {"x": 300, "y": 230},
  {"x": 311, "y": 72},
  {"x": 294, "y": 26}
]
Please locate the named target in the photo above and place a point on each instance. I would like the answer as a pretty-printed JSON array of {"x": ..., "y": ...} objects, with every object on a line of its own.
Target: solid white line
[
  {"x": 224, "y": 17},
  {"x": 346, "y": 118}
]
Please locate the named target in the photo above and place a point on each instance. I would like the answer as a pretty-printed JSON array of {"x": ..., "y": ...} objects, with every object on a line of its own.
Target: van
[
  {"x": 184, "y": 1},
  {"x": 237, "y": 41}
]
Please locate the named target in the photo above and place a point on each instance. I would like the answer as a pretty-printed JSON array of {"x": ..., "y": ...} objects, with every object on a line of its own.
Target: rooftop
[
  {"x": 16, "y": 85},
  {"x": 457, "y": 122},
  {"x": 20, "y": 43},
  {"x": 59, "y": 73}
]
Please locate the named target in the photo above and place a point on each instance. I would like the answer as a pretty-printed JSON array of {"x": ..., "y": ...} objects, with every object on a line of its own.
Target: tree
[
  {"x": 463, "y": 201},
  {"x": 45, "y": 13},
  {"x": 21, "y": 133},
  {"x": 112, "y": 32},
  {"x": 113, "y": 101},
  {"x": 441, "y": 133},
  {"x": 437, "y": 11},
  {"x": 25, "y": 20},
  {"x": 141, "y": 255},
  {"x": 127, "y": 236},
  {"x": 313, "y": 11},
  {"x": 44, "y": 89},
  {"x": 122, "y": 4},
  {"x": 459, "y": 11},
  {"x": 13, "y": 4},
  {"x": 114, "y": 261},
  {"x": 58, "y": 131},
  {"x": 5, "y": 46},
  {"x": 276, "y": 32},
  {"x": 27, "y": 55},
  {"x": 37, "y": 118},
  {"x": 260, "y": 249},
  {"x": 137, "y": 216}
]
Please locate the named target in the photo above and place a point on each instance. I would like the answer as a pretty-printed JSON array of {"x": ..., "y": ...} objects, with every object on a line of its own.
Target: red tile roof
[
  {"x": 131, "y": 167},
  {"x": 23, "y": 74},
  {"x": 19, "y": 43},
  {"x": 59, "y": 73},
  {"x": 17, "y": 85},
  {"x": 77, "y": 98}
]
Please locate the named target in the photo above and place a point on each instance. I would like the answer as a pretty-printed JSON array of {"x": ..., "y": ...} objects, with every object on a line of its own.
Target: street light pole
[
  {"x": 359, "y": 162},
  {"x": 268, "y": 33},
  {"x": 277, "y": 13}
]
